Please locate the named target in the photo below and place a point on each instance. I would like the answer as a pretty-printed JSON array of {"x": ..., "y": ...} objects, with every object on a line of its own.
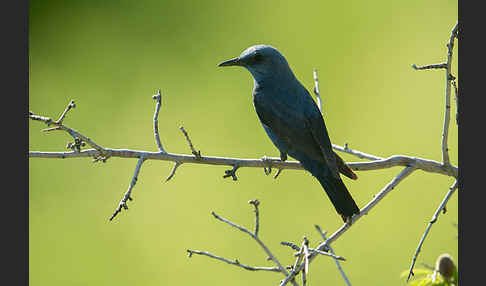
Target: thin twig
[
  {"x": 336, "y": 257},
  {"x": 174, "y": 169},
  {"x": 364, "y": 211},
  {"x": 235, "y": 262},
  {"x": 252, "y": 235},
  {"x": 255, "y": 204},
  {"x": 70, "y": 105},
  {"x": 70, "y": 131},
  {"x": 297, "y": 248},
  {"x": 427, "y": 266},
  {"x": 158, "y": 97},
  {"x": 126, "y": 197},
  {"x": 456, "y": 98},
  {"x": 194, "y": 152},
  {"x": 428, "y": 67},
  {"x": 449, "y": 78},
  {"x": 345, "y": 277},
  {"x": 305, "y": 247},
  {"x": 278, "y": 173},
  {"x": 356, "y": 153},
  {"x": 432, "y": 221}
]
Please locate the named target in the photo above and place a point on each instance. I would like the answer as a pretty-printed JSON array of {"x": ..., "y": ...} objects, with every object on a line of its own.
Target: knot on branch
[
  {"x": 190, "y": 252},
  {"x": 101, "y": 157},
  {"x": 232, "y": 172},
  {"x": 256, "y": 203},
  {"x": 76, "y": 145}
]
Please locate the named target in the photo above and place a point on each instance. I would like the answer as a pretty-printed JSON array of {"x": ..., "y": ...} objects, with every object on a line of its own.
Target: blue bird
[{"x": 294, "y": 123}]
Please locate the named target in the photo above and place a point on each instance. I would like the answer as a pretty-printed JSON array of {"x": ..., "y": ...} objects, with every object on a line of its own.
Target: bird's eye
[{"x": 258, "y": 58}]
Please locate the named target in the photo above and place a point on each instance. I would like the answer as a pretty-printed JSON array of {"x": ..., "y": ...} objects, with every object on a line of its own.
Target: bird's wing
[
  {"x": 299, "y": 124},
  {"x": 318, "y": 129}
]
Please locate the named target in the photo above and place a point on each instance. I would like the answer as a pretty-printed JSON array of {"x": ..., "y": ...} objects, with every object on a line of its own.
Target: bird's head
[{"x": 262, "y": 62}]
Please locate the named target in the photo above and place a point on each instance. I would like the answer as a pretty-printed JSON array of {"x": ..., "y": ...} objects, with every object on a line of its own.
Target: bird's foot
[
  {"x": 267, "y": 163},
  {"x": 347, "y": 220}
]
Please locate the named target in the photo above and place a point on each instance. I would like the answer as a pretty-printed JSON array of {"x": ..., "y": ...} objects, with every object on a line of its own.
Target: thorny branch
[{"x": 411, "y": 164}]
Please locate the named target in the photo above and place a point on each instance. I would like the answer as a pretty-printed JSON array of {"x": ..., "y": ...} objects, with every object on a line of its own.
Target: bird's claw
[{"x": 267, "y": 163}]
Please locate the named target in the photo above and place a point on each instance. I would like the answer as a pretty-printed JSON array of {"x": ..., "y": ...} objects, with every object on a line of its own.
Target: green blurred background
[{"x": 111, "y": 56}]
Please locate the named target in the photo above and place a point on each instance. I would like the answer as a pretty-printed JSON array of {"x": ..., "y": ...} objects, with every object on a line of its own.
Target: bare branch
[
  {"x": 255, "y": 237},
  {"x": 70, "y": 131},
  {"x": 157, "y": 97},
  {"x": 126, "y": 197},
  {"x": 235, "y": 262},
  {"x": 393, "y": 161},
  {"x": 449, "y": 78},
  {"x": 101, "y": 153},
  {"x": 432, "y": 221},
  {"x": 323, "y": 234}
]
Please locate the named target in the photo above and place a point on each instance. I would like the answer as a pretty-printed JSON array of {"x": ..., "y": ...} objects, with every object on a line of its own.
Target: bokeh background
[{"x": 111, "y": 56}]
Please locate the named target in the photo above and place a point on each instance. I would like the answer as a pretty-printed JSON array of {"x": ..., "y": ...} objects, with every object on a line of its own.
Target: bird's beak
[{"x": 232, "y": 62}]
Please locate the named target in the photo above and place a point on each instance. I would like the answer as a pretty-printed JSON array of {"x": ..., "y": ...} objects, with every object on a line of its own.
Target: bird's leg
[
  {"x": 283, "y": 158},
  {"x": 267, "y": 163},
  {"x": 347, "y": 220}
]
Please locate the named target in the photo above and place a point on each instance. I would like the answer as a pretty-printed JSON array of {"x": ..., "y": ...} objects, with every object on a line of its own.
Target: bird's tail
[{"x": 339, "y": 195}]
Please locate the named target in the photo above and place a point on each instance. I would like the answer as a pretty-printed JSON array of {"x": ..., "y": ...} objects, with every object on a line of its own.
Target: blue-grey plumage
[{"x": 294, "y": 123}]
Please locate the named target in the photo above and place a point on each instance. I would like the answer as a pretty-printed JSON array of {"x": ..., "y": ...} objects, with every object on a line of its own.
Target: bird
[{"x": 294, "y": 123}]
